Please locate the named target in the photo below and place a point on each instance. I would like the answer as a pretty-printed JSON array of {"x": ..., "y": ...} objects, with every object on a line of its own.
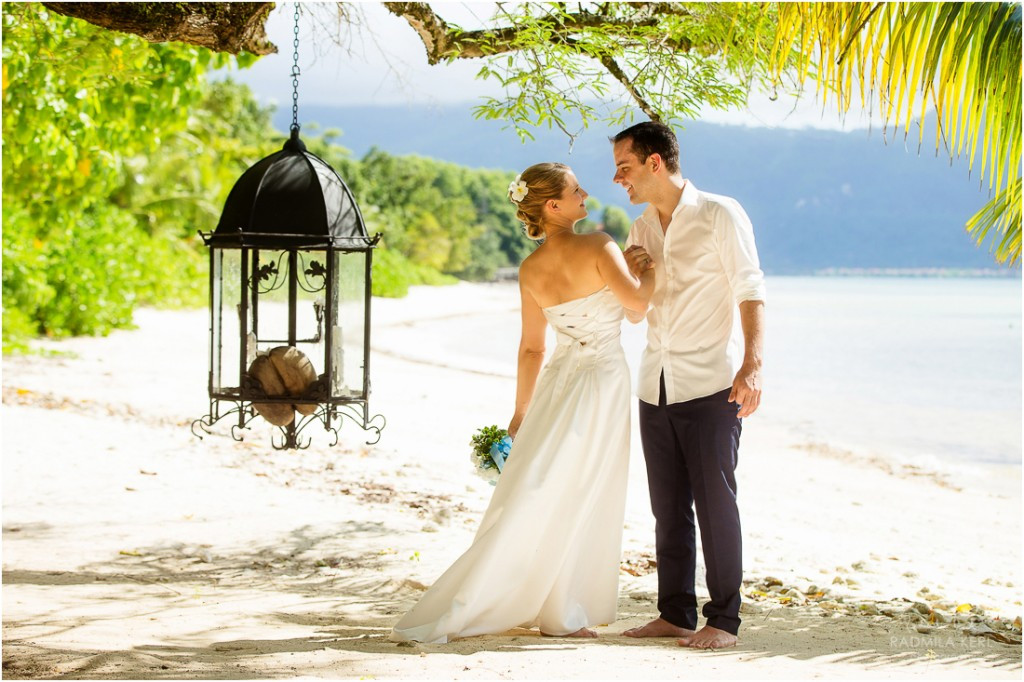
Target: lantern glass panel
[
  {"x": 267, "y": 321},
  {"x": 226, "y": 281},
  {"x": 349, "y": 333},
  {"x": 270, "y": 317},
  {"x": 310, "y": 307}
]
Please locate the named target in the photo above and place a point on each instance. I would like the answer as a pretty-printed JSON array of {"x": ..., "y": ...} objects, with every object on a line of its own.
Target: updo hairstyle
[{"x": 544, "y": 181}]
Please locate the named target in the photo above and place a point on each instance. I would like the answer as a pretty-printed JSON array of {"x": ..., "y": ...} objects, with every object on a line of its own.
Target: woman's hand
[
  {"x": 513, "y": 426},
  {"x": 638, "y": 260},
  {"x": 632, "y": 289}
]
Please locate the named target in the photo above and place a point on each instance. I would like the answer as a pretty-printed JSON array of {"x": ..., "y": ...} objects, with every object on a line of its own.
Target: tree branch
[
  {"x": 616, "y": 71},
  {"x": 443, "y": 42},
  {"x": 231, "y": 27}
]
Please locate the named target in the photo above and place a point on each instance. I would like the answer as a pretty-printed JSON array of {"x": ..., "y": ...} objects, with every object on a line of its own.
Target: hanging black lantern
[{"x": 290, "y": 292}]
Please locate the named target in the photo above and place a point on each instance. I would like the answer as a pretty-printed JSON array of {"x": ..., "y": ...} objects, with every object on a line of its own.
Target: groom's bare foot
[
  {"x": 659, "y": 627},
  {"x": 582, "y": 632},
  {"x": 709, "y": 638}
]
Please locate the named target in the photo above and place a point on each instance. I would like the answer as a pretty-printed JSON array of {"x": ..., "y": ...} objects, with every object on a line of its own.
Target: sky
[{"x": 383, "y": 62}]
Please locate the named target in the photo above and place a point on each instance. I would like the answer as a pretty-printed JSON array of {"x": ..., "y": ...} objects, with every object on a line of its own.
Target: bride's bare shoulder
[
  {"x": 530, "y": 266},
  {"x": 596, "y": 240},
  {"x": 531, "y": 261}
]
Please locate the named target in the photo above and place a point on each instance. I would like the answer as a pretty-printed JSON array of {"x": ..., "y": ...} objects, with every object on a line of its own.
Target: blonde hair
[{"x": 544, "y": 181}]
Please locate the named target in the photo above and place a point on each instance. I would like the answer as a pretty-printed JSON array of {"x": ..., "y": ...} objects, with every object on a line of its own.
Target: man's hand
[
  {"x": 638, "y": 260},
  {"x": 746, "y": 387},
  {"x": 746, "y": 390}
]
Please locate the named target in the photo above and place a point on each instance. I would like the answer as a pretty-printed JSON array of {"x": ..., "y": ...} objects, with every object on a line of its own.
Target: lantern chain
[{"x": 296, "y": 72}]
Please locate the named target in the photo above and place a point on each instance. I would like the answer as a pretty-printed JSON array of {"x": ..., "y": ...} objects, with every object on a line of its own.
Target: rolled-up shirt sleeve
[{"x": 734, "y": 236}]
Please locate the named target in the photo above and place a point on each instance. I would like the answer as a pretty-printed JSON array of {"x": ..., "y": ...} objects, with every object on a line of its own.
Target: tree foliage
[
  {"x": 103, "y": 173},
  {"x": 616, "y": 222}
]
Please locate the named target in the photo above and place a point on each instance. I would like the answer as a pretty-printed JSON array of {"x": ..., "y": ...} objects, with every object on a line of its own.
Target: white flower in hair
[{"x": 518, "y": 189}]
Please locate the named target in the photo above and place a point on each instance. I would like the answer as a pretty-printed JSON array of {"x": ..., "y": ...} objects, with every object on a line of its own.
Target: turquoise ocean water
[
  {"x": 908, "y": 367},
  {"x": 918, "y": 369}
]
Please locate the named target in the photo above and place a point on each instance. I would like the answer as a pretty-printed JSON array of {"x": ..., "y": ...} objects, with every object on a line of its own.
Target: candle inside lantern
[
  {"x": 338, "y": 354},
  {"x": 318, "y": 311},
  {"x": 250, "y": 349}
]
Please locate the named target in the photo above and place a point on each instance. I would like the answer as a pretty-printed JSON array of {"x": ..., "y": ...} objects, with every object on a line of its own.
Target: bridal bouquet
[{"x": 491, "y": 447}]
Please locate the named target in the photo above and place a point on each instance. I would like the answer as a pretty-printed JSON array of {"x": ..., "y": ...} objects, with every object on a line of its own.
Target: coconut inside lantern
[{"x": 284, "y": 371}]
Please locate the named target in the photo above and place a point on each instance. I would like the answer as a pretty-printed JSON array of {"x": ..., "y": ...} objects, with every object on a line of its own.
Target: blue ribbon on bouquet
[{"x": 500, "y": 452}]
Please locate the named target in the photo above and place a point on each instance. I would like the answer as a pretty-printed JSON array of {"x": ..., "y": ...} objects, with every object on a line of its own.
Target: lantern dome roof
[{"x": 292, "y": 198}]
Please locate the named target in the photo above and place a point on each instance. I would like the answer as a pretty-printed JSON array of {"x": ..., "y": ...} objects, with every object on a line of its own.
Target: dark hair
[
  {"x": 544, "y": 181},
  {"x": 652, "y": 138}
]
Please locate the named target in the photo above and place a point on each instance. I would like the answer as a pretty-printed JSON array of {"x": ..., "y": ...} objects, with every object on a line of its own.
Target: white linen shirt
[{"x": 705, "y": 265}]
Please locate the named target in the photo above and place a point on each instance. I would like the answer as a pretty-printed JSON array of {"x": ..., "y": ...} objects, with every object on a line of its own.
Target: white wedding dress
[{"x": 548, "y": 548}]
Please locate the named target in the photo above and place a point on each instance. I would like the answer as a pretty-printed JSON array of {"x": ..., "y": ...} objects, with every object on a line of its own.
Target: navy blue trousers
[{"x": 691, "y": 450}]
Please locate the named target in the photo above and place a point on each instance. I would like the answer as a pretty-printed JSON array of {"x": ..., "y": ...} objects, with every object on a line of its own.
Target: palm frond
[
  {"x": 997, "y": 216},
  {"x": 962, "y": 58}
]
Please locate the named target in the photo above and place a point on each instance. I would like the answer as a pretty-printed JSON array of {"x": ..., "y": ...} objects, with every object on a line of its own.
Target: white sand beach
[{"x": 132, "y": 549}]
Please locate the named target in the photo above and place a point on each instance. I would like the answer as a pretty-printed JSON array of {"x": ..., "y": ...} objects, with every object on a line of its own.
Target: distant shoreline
[
  {"x": 1000, "y": 273},
  {"x": 511, "y": 274}
]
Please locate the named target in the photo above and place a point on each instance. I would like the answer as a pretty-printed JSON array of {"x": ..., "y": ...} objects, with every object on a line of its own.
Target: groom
[{"x": 700, "y": 375}]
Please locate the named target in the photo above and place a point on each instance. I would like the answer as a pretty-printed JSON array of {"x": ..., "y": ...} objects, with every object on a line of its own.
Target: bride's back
[{"x": 563, "y": 268}]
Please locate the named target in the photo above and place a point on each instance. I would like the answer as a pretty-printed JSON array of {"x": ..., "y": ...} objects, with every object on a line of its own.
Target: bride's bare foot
[
  {"x": 709, "y": 638},
  {"x": 582, "y": 632},
  {"x": 659, "y": 628}
]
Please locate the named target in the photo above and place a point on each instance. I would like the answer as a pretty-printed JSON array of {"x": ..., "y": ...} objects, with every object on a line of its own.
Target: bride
[{"x": 547, "y": 550}]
